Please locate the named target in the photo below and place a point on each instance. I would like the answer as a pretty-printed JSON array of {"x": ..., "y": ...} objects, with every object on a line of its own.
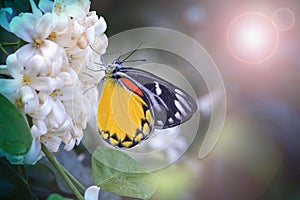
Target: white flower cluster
[{"x": 47, "y": 85}]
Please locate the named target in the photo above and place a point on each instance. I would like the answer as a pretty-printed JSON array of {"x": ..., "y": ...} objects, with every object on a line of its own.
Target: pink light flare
[{"x": 252, "y": 38}]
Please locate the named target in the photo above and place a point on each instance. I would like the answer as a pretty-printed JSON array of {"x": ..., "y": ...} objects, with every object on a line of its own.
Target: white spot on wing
[
  {"x": 183, "y": 101},
  {"x": 157, "y": 88},
  {"x": 177, "y": 115},
  {"x": 180, "y": 108},
  {"x": 159, "y": 122},
  {"x": 179, "y": 92},
  {"x": 171, "y": 121}
]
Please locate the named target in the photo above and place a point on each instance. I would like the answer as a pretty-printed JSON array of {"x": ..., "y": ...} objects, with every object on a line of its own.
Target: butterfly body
[{"x": 134, "y": 102}]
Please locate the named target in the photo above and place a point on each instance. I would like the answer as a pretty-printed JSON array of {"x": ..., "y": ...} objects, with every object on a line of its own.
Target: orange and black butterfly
[{"x": 133, "y": 103}]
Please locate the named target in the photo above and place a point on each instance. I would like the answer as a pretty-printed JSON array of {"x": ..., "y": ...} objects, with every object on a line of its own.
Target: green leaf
[
  {"x": 116, "y": 172},
  {"x": 56, "y": 197},
  {"x": 12, "y": 184},
  {"x": 15, "y": 137}
]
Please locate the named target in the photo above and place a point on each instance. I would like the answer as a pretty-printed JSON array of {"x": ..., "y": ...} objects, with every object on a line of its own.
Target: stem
[
  {"x": 10, "y": 43},
  {"x": 60, "y": 169},
  {"x": 2, "y": 48},
  {"x": 81, "y": 187},
  {"x": 22, "y": 172}
]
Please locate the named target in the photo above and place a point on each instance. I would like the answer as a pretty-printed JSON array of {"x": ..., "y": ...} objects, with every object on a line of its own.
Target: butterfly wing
[
  {"x": 171, "y": 105},
  {"x": 124, "y": 117}
]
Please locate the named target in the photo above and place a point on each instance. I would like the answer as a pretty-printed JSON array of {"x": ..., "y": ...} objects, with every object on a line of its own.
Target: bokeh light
[
  {"x": 284, "y": 18},
  {"x": 252, "y": 38}
]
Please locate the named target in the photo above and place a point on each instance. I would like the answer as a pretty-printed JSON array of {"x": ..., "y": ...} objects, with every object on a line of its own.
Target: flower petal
[
  {"x": 31, "y": 105},
  {"x": 100, "y": 44},
  {"x": 46, "y": 84},
  {"x": 14, "y": 66},
  {"x": 35, "y": 9},
  {"x": 26, "y": 93},
  {"x": 23, "y": 26},
  {"x": 35, "y": 132},
  {"x": 69, "y": 146},
  {"x": 40, "y": 126},
  {"x": 43, "y": 110},
  {"x": 72, "y": 8},
  {"x": 92, "y": 193},
  {"x": 58, "y": 114},
  {"x": 3, "y": 70},
  {"x": 9, "y": 85},
  {"x": 51, "y": 142},
  {"x": 45, "y": 26},
  {"x": 68, "y": 93},
  {"x": 39, "y": 65},
  {"x": 61, "y": 22},
  {"x": 25, "y": 53},
  {"x": 4, "y": 19},
  {"x": 45, "y": 5},
  {"x": 100, "y": 26},
  {"x": 90, "y": 35},
  {"x": 66, "y": 78},
  {"x": 51, "y": 50},
  {"x": 65, "y": 127},
  {"x": 34, "y": 153}
]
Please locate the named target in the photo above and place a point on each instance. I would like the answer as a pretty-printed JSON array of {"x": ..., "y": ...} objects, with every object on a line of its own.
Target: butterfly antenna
[
  {"x": 114, "y": 52},
  {"x": 132, "y": 52},
  {"x": 138, "y": 60}
]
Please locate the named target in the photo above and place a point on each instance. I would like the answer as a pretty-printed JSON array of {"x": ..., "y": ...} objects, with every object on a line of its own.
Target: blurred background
[{"x": 258, "y": 154}]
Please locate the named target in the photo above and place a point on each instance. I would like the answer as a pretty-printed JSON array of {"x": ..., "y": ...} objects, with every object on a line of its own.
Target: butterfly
[{"x": 133, "y": 102}]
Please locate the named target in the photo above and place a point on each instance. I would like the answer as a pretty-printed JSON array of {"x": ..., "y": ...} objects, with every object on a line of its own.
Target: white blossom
[
  {"x": 45, "y": 5},
  {"x": 72, "y": 8},
  {"x": 77, "y": 34},
  {"x": 47, "y": 83},
  {"x": 92, "y": 193},
  {"x": 26, "y": 80}
]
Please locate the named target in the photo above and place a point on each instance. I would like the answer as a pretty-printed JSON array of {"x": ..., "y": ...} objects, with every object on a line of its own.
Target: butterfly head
[{"x": 111, "y": 68}]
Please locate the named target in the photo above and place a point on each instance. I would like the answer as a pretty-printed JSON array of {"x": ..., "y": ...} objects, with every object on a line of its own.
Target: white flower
[
  {"x": 35, "y": 30},
  {"x": 92, "y": 193},
  {"x": 58, "y": 121},
  {"x": 76, "y": 30},
  {"x": 72, "y": 8},
  {"x": 47, "y": 83},
  {"x": 34, "y": 153},
  {"x": 26, "y": 79},
  {"x": 46, "y": 5},
  {"x": 100, "y": 44}
]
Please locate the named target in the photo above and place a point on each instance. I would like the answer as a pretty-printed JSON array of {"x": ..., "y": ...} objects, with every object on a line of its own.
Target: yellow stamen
[
  {"x": 52, "y": 36},
  {"x": 55, "y": 93},
  {"x": 57, "y": 8},
  {"x": 26, "y": 80},
  {"x": 37, "y": 43},
  {"x": 19, "y": 103}
]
